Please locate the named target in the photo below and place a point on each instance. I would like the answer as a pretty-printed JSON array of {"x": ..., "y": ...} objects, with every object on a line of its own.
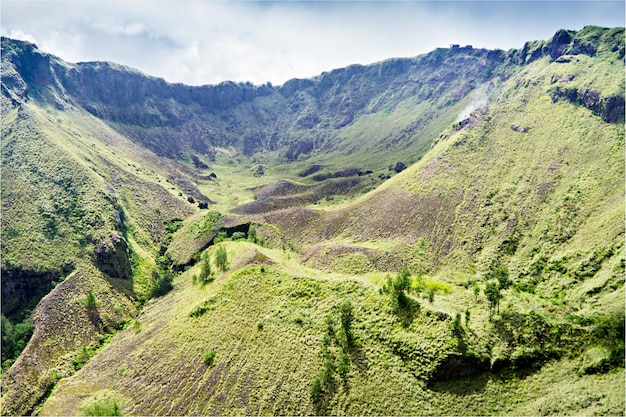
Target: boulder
[{"x": 399, "y": 167}]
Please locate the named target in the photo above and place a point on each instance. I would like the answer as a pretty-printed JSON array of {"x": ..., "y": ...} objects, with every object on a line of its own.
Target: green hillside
[{"x": 485, "y": 277}]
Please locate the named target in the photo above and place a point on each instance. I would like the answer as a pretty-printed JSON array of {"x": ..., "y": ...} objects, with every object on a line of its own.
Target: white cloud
[
  {"x": 200, "y": 42},
  {"x": 18, "y": 34}
]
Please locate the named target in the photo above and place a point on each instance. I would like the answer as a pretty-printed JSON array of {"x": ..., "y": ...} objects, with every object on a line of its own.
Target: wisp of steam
[{"x": 479, "y": 98}]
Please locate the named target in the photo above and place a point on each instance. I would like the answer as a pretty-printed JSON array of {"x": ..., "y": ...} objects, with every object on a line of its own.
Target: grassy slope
[
  {"x": 65, "y": 176},
  {"x": 453, "y": 216},
  {"x": 267, "y": 328}
]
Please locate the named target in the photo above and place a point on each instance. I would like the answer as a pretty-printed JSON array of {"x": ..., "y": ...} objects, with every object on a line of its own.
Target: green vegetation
[
  {"x": 14, "y": 339},
  {"x": 103, "y": 404},
  {"x": 90, "y": 301},
  {"x": 494, "y": 295},
  {"x": 205, "y": 270},
  {"x": 208, "y": 358},
  {"x": 324, "y": 386},
  {"x": 397, "y": 289},
  {"x": 511, "y": 222},
  {"x": 162, "y": 283},
  {"x": 221, "y": 258}
]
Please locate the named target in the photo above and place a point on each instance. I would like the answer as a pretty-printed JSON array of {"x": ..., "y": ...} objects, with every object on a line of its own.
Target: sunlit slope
[
  {"x": 72, "y": 202},
  {"x": 526, "y": 196},
  {"x": 268, "y": 331},
  {"x": 492, "y": 195}
]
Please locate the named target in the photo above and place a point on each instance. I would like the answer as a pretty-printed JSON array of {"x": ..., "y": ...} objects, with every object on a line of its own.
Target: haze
[{"x": 196, "y": 42}]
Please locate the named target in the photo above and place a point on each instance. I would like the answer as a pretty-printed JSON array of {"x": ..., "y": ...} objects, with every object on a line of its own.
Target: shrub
[
  {"x": 492, "y": 292},
  {"x": 90, "y": 301},
  {"x": 346, "y": 316},
  {"x": 208, "y": 358},
  {"x": 502, "y": 275},
  {"x": 343, "y": 367},
  {"x": 238, "y": 236},
  {"x": 203, "y": 308},
  {"x": 82, "y": 358},
  {"x": 103, "y": 406},
  {"x": 430, "y": 292},
  {"x": 220, "y": 237},
  {"x": 162, "y": 283},
  {"x": 252, "y": 234},
  {"x": 317, "y": 396},
  {"x": 14, "y": 339},
  {"x": 397, "y": 287},
  {"x": 609, "y": 331}
]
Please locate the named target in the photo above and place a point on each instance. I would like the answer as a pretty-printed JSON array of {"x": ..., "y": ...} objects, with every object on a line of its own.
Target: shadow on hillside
[{"x": 469, "y": 385}]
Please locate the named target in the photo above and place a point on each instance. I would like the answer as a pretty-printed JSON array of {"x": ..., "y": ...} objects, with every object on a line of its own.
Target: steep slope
[
  {"x": 512, "y": 222},
  {"x": 524, "y": 198},
  {"x": 269, "y": 331},
  {"x": 76, "y": 219}
]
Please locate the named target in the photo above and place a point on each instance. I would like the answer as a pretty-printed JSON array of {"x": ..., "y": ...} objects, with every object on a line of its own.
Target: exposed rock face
[
  {"x": 21, "y": 287},
  {"x": 111, "y": 256},
  {"x": 611, "y": 109},
  {"x": 560, "y": 41}
]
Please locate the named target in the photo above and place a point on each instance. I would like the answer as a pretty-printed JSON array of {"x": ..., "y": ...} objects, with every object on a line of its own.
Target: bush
[
  {"x": 430, "y": 292},
  {"x": 238, "y": 236},
  {"x": 106, "y": 405},
  {"x": 162, "y": 283},
  {"x": 609, "y": 332},
  {"x": 82, "y": 358},
  {"x": 252, "y": 234},
  {"x": 220, "y": 237},
  {"x": 90, "y": 301},
  {"x": 14, "y": 339},
  {"x": 397, "y": 288},
  {"x": 346, "y": 316},
  {"x": 208, "y": 358},
  {"x": 492, "y": 292}
]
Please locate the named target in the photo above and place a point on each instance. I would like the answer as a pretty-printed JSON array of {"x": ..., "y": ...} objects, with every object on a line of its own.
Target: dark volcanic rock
[
  {"x": 399, "y": 167},
  {"x": 560, "y": 41},
  {"x": 111, "y": 256},
  {"x": 24, "y": 287}
]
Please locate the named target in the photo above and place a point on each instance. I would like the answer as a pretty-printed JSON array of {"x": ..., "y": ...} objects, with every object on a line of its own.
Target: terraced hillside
[{"x": 240, "y": 249}]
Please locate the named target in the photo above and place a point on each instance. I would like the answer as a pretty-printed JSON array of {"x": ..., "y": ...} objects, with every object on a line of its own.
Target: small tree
[
  {"x": 252, "y": 234},
  {"x": 90, "y": 301},
  {"x": 205, "y": 269},
  {"x": 162, "y": 282},
  {"x": 397, "y": 288},
  {"x": 502, "y": 275},
  {"x": 430, "y": 292},
  {"x": 209, "y": 357},
  {"x": 492, "y": 292},
  {"x": 346, "y": 317},
  {"x": 221, "y": 258}
]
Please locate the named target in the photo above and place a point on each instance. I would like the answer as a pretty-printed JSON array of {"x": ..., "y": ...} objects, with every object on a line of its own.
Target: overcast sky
[{"x": 206, "y": 42}]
